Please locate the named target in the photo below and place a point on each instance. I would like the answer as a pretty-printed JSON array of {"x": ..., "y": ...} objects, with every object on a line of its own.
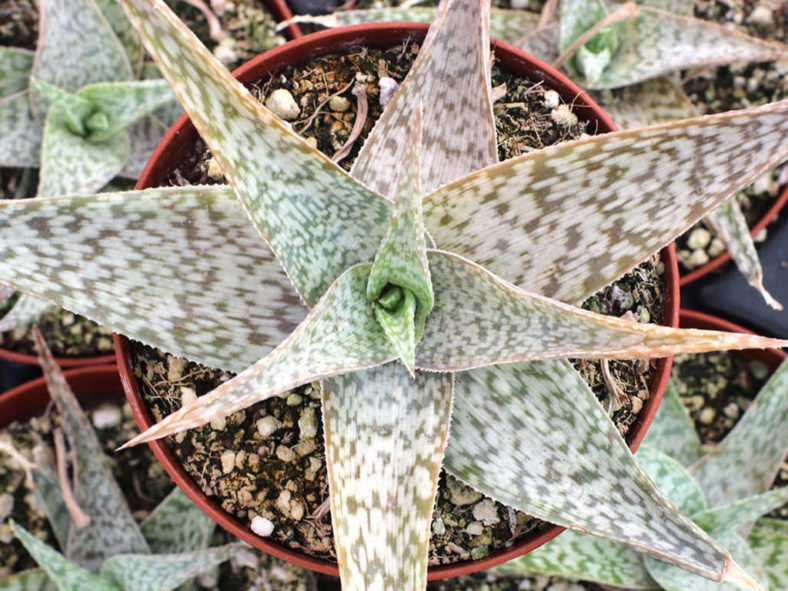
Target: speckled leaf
[
  {"x": 125, "y": 266},
  {"x": 177, "y": 525},
  {"x": 729, "y": 223},
  {"x": 70, "y": 164},
  {"x": 671, "y": 578},
  {"x": 317, "y": 219},
  {"x": 648, "y": 103},
  {"x": 139, "y": 572},
  {"x": 15, "y": 66},
  {"x": 501, "y": 323},
  {"x": 673, "y": 431},
  {"x": 112, "y": 528},
  {"x": 589, "y": 481},
  {"x": 659, "y": 42},
  {"x": 769, "y": 542},
  {"x": 747, "y": 460},
  {"x": 385, "y": 436},
  {"x": 675, "y": 482},
  {"x": 26, "y": 310},
  {"x": 76, "y": 46},
  {"x": 49, "y": 497},
  {"x": 67, "y": 575},
  {"x": 144, "y": 136},
  {"x": 576, "y": 555},
  {"x": 125, "y": 33},
  {"x": 591, "y": 58},
  {"x": 339, "y": 335},
  {"x": 543, "y": 42},
  {"x": 20, "y": 133},
  {"x": 582, "y": 213},
  {"x": 506, "y": 25},
  {"x": 741, "y": 514},
  {"x": 451, "y": 79},
  {"x": 28, "y": 580}
]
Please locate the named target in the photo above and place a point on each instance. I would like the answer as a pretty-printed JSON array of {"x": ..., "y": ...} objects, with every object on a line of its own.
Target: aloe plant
[
  {"x": 186, "y": 271},
  {"x": 103, "y": 547},
  {"x": 726, "y": 492}
]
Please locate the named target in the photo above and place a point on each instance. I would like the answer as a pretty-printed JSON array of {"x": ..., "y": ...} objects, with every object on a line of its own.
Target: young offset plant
[
  {"x": 725, "y": 492},
  {"x": 76, "y": 108},
  {"x": 182, "y": 268},
  {"x": 103, "y": 547}
]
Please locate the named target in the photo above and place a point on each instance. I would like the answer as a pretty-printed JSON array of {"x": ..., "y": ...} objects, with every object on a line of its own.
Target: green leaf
[
  {"x": 741, "y": 514},
  {"x": 112, "y": 528},
  {"x": 769, "y": 542},
  {"x": 26, "y": 311},
  {"x": 177, "y": 525},
  {"x": 382, "y": 498},
  {"x": 280, "y": 179},
  {"x": 506, "y": 25},
  {"x": 139, "y": 572},
  {"x": 15, "y": 66},
  {"x": 577, "y": 211},
  {"x": 501, "y": 323},
  {"x": 576, "y": 555},
  {"x": 20, "y": 133},
  {"x": 655, "y": 101},
  {"x": 509, "y": 440},
  {"x": 28, "y": 580},
  {"x": 206, "y": 287},
  {"x": 683, "y": 7},
  {"x": 76, "y": 46},
  {"x": 747, "y": 460},
  {"x": 673, "y": 431},
  {"x": 577, "y": 16},
  {"x": 145, "y": 136},
  {"x": 729, "y": 223},
  {"x": 451, "y": 79},
  {"x": 672, "y": 479},
  {"x": 124, "y": 32},
  {"x": 49, "y": 496},
  {"x": 67, "y": 575},
  {"x": 339, "y": 335}
]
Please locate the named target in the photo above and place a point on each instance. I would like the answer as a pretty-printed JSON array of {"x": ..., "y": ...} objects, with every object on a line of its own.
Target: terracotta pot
[
  {"x": 92, "y": 385},
  {"x": 24, "y": 358},
  {"x": 181, "y": 138},
  {"x": 282, "y": 12},
  {"x": 719, "y": 261}
]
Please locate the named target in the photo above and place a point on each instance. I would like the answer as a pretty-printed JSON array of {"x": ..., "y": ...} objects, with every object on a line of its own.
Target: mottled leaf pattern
[
  {"x": 582, "y": 213},
  {"x": 385, "y": 435},
  {"x": 672, "y": 479},
  {"x": 684, "y": 7},
  {"x": 280, "y": 179},
  {"x": 139, "y": 572},
  {"x": 769, "y": 542},
  {"x": 501, "y": 323},
  {"x": 112, "y": 528},
  {"x": 500, "y": 412},
  {"x": 144, "y": 136},
  {"x": 127, "y": 260},
  {"x": 15, "y": 66},
  {"x": 672, "y": 430},
  {"x": 733, "y": 517},
  {"x": 577, "y": 555},
  {"x": 67, "y": 575},
  {"x": 746, "y": 461},
  {"x": 20, "y": 133},
  {"x": 26, "y": 310},
  {"x": 339, "y": 335},
  {"x": 28, "y": 580},
  {"x": 652, "y": 102},
  {"x": 177, "y": 525},
  {"x": 592, "y": 57},
  {"x": 49, "y": 496},
  {"x": 124, "y": 31},
  {"x": 451, "y": 79}
]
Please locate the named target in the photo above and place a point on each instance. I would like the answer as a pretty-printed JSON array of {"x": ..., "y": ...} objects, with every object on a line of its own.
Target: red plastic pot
[
  {"x": 10, "y": 355},
  {"x": 91, "y": 385},
  {"x": 181, "y": 138},
  {"x": 282, "y": 12}
]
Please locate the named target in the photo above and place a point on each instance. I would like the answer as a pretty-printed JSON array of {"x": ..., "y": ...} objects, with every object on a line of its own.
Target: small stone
[
  {"x": 731, "y": 411},
  {"x": 228, "y": 461},
  {"x": 219, "y": 424},
  {"x": 698, "y": 258},
  {"x": 312, "y": 142},
  {"x": 215, "y": 170},
  {"x": 766, "y": 183},
  {"x": 339, "y": 104},
  {"x": 694, "y": 403},
  {"x": 699, "y": 238},
  {"x": 283, "y": 501},
  {"x": 519, "y": 4},
  {"x": 285, "y": 454},
  {"x": 460, "y": 495},
  {"x": 707, "y": 415},
  {"x": 563, "y": 115},
  {"x": 388, "y": 87},
  {"x": 175, "y": 367},
  {"x": 296, "y": 511},
  {"x": 716, "y": 248},
  {"x": 105, "y": 417},
  {"x": 758, "y": 369},
  {"x": 551, "y": 99},
  {"x": 762, "y": 16},
  {"x": 760, "y": 236},
  {"x": 637, "y": 405},
  {"x": 475, "y": 528},
  {"x": 282, "y": 104},
  {"x": 438, "y": 528},
  {"x": 307, "y": 424},
  {"x": 6, "y": 505},
  {"x": 294, "y": 399},
  {"x": 262, "y": 527},
  {"x": 188, "y": 395},
  {"x": 225, "y": 51},
  {"x": 304, "y": 448},
  {"x": 486, "y": 512},
  {"x": 268, "y": 425},
  {"x": 480, "y": 552}
]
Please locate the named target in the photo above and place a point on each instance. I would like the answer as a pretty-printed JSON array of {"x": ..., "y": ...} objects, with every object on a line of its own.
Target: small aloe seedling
[
  {"x": 75, "y": 108},
  {"x": 198, "y": 271},
  {"x": 103, "y": 547},
  {"x": 725, "y": 492}
]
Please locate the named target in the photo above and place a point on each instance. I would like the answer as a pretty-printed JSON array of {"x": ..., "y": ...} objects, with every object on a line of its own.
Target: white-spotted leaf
[
  {"x": 34, "y": 579},
  {"x": 673, "y": 431},
  {"x": 675, "y": 482},
  {"x": 741, "y": 514},
  {"x": 177, "y": 525},
  {"x": 15, "y": 66},
  {"x": 26, "y": 311},
  {"x": 20, "y": 133},
  {"x": 769, "y": 542}
]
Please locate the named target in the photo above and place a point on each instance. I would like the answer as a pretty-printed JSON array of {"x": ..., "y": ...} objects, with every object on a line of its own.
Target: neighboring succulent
[
  {"x": 725, "y": 492},
  {"x": 103, "y": 547},
  {"x": 76, "y": 108},
  {"x": 182, "y": 268}
]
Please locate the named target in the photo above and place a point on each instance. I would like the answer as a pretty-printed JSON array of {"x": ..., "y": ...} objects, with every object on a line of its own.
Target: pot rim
[
  {"x": 87, "y": 361},
  {"x": 332, "y": 41}
]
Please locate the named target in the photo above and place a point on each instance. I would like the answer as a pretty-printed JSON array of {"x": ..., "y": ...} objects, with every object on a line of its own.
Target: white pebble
[
  {"x": 6, "y": 505},
  {"x": 698, "y": 258},
  {"x": 215, "y": 170},
  {"x": 762, "y": 16},
  {"x": 307, "y": 424},
  {"x": 282, "y": 104},
  {"x": 262, "y": 527},
  {"x": 486, "y": 512},
  {"x": 699, "y": 238},
  {"x": 388, "y": 87},
  {"x": 188, "y": 395},
  {"x": 339, "y": 104},
  {"x": 228, "y": 461},
  {"x": 219, "y": 424},
  {"x": 285, "y": 454},
  {"x": 474, "y": 529},
  {"x": 562, "y": 115},
  {"x": 707, "y": 415},
  {"x": 294, "y": 400},
  {"x": 106, "y": 416},
  {"x": 268, "y": 425},
  {"x": 551, "y": 99}
]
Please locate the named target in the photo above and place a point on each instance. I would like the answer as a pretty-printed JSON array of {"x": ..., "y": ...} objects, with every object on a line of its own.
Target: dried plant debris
[
  {"x": 67, "y": 334},
  {"x": 18, "y": 23},
  {"x": 266, "y": 464},
  {"x": 498, "y": 582}
]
